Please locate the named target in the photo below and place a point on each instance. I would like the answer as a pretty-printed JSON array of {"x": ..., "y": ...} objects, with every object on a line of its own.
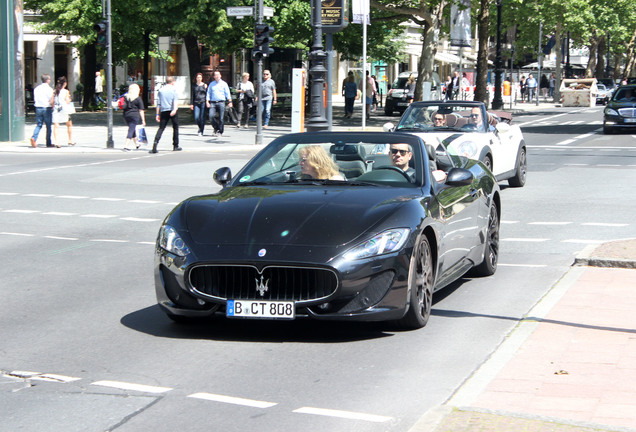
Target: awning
[{"x": 446, "y": 57}]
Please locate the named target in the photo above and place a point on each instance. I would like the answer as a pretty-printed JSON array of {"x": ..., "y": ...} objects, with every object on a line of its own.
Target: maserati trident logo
[{"x": 261, "y": 286}]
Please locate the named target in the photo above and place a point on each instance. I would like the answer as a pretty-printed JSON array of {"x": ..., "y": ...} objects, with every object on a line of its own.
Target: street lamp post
[
  {"x": 497, "y": 102},
  {"x": 317, "y": 120}
]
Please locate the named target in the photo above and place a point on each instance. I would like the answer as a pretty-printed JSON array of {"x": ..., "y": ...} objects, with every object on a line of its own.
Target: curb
[{"x": 614, "y": 254}]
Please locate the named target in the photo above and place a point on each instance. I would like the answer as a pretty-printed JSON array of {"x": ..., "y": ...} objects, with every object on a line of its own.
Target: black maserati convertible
[{"x": 334, "y": 226}]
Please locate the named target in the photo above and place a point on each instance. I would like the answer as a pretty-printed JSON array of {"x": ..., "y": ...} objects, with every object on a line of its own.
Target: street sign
[
  {"x": 240, "y": 11},
  {"x": 268, "y": 11}
]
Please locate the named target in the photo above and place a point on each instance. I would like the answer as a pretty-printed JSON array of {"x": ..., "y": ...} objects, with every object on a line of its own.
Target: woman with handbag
[
  {"x": 133, "y": 114},
  {"x": 62, "y": 108},
  {"x": 245, "y": 91}
]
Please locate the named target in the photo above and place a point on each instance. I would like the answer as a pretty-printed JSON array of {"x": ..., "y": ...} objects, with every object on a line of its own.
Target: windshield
[
  {"x": 349, "y": 162},
  {"x": 441, "y": 117}
]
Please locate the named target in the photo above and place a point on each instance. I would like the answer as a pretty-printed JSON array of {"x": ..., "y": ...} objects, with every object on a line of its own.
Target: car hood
[{"x": 290, "y": 216}]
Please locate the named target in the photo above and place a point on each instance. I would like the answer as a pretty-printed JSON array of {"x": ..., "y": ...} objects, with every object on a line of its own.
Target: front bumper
[{"x": 366, "y": 290}]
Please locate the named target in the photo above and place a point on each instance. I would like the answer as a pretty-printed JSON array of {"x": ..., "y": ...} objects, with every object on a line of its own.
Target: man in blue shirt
[
  {"x": 218, "y": 93},
  {"x": 167, "y": 105}
]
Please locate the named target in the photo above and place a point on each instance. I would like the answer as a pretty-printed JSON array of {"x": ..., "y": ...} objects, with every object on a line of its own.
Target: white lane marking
[
  {"x": 61, "y": 238},
  {"x": 604, "y": 224},
  {"x": 109, "y": 241},
  {"x": 232, "y": 400},
  {"x": 576, "y": 164},
  {"x": 542, "y": 120},
  {"x": 531, "y": 240},
  {"x": 40, "y": 376},
  {"x": 137, "y": 219},
  {"x": 608, "y": 165},
  {"x": 583, "y": 241},
  {"x": 131, "y": 386},
  {"x": 8, "y": 193},
  {"x": 583, "y": 148},
  {"x": 17, "y": 234},
  {"x": 567, "y": 141},
  {"x": 343, "y": 414},
  {"x": 523, "y": 265},
  {"x": 20, "y": 211},
  {"x": 54, "y": 213},
  {"x": 71, "y": 197},
  {"x": 509, "y": 222},
  {"x": 107, "y": 199},
  {"x": 587, "y": 135},
  {"x": 38, "y": 195},
  {"x": 549, "y": 223},
  {"x": 99, "y": 216},
  {"x": 146, "y": 243}
]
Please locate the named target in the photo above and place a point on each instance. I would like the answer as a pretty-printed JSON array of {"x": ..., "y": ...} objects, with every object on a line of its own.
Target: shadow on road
[{"x": 153, "y": 321}]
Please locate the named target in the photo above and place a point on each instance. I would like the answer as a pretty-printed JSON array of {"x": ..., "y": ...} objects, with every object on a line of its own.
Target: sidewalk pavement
[
  {"x": 570, "y": 364},
  {"x": 90, "y": 131}
]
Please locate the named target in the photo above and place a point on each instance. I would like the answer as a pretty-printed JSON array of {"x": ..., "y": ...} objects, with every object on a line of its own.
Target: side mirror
[
  {"x": 459, "y": 177},
  {"x": 502, "y": 127},
  {"x": 388, "y": 127},
  {"x": 222, "y": 176}
]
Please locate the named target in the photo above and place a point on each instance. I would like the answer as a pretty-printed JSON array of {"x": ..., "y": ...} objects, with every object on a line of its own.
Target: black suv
[{"x": 396, "y": 97}]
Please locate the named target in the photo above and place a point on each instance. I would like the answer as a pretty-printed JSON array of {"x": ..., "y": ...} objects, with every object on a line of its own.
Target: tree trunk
[
  {"x": 591, "y": 63},
  {"x": 600, "y": 55},
  {"x": 481, "y": 82},
  {"x": 427, "y": 59},
  {"x": 145, "y": 90},
  {"x": 88, "y": 75},
  {"x": 559, "y": 59},
  {"x": 631, "y": 57},
  {"x": 194, "y": 57}
]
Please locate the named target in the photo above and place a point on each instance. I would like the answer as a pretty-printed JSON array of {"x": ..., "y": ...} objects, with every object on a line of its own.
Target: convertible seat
[{"x": 351, "y": 159}]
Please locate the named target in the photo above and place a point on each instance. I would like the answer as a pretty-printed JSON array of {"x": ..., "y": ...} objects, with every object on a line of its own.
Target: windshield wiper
[{"x": 254, "y": 183}]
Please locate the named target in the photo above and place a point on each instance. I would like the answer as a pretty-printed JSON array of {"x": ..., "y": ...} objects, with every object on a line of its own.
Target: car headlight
[
  {"x": 467, "y": 149},
  {"x": 609, "y": 111},
  {"x": 170, "y": 241},
  {"x": 383, "y": 243}
]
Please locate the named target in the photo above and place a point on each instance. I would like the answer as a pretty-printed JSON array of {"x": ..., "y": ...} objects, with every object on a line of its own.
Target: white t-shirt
[
  {"x": 42, "y": 95},
  {"x": 98, "y": 84}
]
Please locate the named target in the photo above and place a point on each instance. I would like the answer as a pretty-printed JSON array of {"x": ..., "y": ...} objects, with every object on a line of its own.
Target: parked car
[
  {"x": 603, "y": 94},
  {"x": 396, "y": 99},
  {"x": 620, "y": 112},
  {"x": 497, "y": 143},
  {"x": 609, "y": 83},
  {"x": 372, "y": 245}
]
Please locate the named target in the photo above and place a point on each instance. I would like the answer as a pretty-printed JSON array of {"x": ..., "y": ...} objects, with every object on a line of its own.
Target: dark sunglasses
[
  {"x": 396, "y": 151},
  {"x": 438, "y": 119},
  {"x": 473, "y": 115}
]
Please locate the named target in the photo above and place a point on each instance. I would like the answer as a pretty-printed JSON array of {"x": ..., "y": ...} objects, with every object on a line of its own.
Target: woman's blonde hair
[
  {"x": 411, "y": 79},
  {"x": 133, "y": 92},
  {"x": 245, "y": 74},
  {"x": 320, "y": 160}
]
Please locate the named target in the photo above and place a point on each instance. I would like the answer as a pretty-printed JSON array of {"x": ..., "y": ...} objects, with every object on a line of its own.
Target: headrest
[
  {"x": 348, "y": 152},
  {"x": 430, "y": 150}
]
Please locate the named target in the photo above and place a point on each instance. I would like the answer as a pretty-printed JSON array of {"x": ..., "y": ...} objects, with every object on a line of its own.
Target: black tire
[
  {"x": 488, "y": 266},
  {"x": 387, "y": 110},
  {"x": 607, "y": 130},
  {"x": 519, "y": 180},
  {"x": 488, "y": 162},
  {"x": 421, "y": 277}
]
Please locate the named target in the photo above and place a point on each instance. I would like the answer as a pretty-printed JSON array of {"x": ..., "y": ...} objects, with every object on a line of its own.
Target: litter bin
[{"x": 579, "y": 92}]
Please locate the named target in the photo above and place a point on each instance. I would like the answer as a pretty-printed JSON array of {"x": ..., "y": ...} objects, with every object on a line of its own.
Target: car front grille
[
  {"x": 627, "y": 112},
  {"x": 236, "y": 282}
]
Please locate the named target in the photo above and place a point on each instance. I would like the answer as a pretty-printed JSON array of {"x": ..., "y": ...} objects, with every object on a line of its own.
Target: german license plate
[
  {"x": 630, "y": 120},
  {"x": 402, "y": 104},
  {"x": 261, "y": 309}
]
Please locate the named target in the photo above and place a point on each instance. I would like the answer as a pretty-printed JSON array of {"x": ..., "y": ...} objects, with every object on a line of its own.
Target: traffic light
[
  {"x": 100, "y": 28},
  {"x": 262, "y": 39}
]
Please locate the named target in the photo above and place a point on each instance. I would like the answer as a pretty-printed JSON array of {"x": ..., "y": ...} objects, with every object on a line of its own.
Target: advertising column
[{"x": 11, "y": 71}]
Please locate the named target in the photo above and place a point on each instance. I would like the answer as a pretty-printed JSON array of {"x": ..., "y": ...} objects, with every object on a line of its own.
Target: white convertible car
[{"x": 469, "y": 130}]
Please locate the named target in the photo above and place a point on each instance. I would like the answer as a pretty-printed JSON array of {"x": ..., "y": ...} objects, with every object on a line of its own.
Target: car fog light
[
  {"x": 201, "y": 302},
  {"x": 324, "y": 306}
]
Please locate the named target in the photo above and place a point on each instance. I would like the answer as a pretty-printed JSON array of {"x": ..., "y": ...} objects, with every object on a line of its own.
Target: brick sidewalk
[{"x": 570, "y": 365}]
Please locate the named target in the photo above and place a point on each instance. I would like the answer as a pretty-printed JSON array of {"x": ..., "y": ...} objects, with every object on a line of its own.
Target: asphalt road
[{"x": 85, "y": 348}]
